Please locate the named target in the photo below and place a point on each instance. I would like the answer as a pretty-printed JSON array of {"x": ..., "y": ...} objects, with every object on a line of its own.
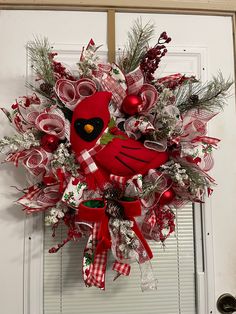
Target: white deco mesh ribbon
[{"x": 127, "y": 247}]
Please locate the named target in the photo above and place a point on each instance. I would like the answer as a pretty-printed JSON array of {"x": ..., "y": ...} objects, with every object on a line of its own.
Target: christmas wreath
[{"x": 113, "y": 149}]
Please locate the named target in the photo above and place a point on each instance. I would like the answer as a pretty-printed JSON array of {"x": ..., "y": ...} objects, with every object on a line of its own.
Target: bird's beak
[{"x": 88, "y": 128}]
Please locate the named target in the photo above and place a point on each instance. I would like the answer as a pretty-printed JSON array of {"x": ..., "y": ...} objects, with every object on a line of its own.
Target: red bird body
[
  {"x": 122, "y": 156},
  {"x": 127, "y": 157}
]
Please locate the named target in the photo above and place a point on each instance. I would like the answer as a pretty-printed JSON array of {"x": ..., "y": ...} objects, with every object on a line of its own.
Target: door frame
[{"x": 205, "y": 7}]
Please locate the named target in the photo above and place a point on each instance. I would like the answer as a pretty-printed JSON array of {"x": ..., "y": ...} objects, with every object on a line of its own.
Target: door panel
[
  {"x": 16, "y": 29},
  {"x": 214, "y": 33}
]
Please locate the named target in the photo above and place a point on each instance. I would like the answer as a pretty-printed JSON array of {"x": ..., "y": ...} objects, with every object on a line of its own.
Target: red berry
[{"x": 14, "y": 106}]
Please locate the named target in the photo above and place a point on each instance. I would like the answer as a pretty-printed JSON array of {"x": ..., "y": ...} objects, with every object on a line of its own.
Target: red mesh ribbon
[
  {"x": 149, "y": 96},
  {"x": 194, "y": 134},
  {"x": 25, "y": 111}
]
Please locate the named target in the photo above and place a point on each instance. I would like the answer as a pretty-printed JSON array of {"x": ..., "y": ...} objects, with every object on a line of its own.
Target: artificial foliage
[{"x": 113, "y": 149}]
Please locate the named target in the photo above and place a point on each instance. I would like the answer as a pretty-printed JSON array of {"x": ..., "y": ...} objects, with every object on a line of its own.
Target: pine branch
[
  {"x": 210, "y": 96},
  {"x": 150, "y": 188},
  {"x": 136, "y": 46},
  {"x": 195, "y": 175},
  {"x": 186, "y": 176},
  {"x": 39, "y": 91},
  {"x": 39, "y": 52}
]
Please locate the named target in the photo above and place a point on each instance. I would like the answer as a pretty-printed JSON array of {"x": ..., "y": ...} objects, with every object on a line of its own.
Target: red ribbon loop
[
  {"x": 94, "y": 211},
  {"x": 133, "y": 209}
]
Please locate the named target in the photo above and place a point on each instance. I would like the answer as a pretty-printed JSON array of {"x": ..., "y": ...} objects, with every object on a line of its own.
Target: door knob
[{"x": 226, "y": 304}]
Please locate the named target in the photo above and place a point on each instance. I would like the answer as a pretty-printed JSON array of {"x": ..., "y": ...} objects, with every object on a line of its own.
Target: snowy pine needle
[
  {"x": 150, "y": 188},
  {"x": 39, "y": 52},
  {"x": 39, "y": 91},
  {"x": 136, "y": 46},
  {"x": 210, "y": 96}
]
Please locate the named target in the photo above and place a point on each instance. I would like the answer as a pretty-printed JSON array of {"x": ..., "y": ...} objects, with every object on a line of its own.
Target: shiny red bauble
[
  {"x": 49, "y": 142},
  {"x": 167, "y": 197},
  {"x": 130, "y": 104}
]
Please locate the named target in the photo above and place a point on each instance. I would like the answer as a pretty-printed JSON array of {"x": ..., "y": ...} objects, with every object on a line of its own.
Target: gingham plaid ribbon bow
[
  {"x": 94, "y": 266},
  {"x": 86, "y": 160}
]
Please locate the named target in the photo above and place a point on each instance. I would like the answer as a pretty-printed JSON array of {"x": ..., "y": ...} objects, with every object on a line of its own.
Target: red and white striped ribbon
[
  {"x": 149, "y": 96},
  {"x": 51, "y": 123},
  {"x": 37, "y": 198},
  {"x": 135, "y": 81},
  {"x": 72, "y": 92},
  {"x": 36, "y": 161},
  {"x": 110, "y": 84}
]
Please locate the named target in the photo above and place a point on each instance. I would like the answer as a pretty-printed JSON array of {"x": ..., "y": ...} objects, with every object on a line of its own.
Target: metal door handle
[{"x": 226, "y": 304}]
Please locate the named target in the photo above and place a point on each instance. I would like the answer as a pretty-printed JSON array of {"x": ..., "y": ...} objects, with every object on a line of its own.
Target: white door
[{"x": 200, "y": 44}]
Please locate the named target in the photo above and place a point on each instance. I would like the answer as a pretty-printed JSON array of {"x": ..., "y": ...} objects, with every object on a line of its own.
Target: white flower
[
  {"x": 60, "y": 214},
  {"x": 53, "y": 212},
  {"x": 49, "y": 220}
]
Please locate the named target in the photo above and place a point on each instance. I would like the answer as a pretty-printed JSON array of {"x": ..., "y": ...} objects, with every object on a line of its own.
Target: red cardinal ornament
[{"x": 121, "y": 156}]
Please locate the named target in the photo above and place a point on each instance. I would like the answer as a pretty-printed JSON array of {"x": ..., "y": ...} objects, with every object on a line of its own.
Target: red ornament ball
[
  {"x": 167, "y": 197},
  {"x": 49, "y": 142},
  {"x": 130, "y": 104}
]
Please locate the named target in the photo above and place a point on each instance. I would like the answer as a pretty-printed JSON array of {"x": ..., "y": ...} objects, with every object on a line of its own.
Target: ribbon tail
[
  {"x": 121, "y": 269},
  {"x": 138, "y": 233},
  {"x": 148, "y": 280},
  {"x": 97, "y": 271},
  {"x": 94, "y": 267},
  {"x": 104, "y": 237},
  {"x": 96, "y": 179}
]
